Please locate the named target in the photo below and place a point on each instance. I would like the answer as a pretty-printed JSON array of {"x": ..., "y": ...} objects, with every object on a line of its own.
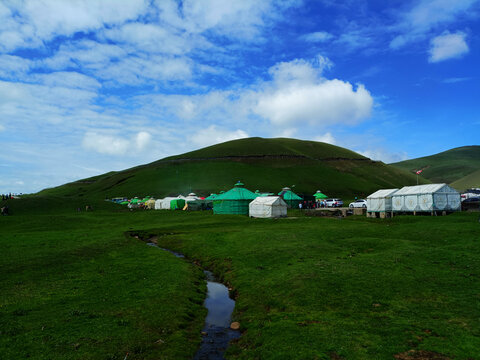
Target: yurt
[
  {"x": 319, "y": 195},
  {"x": 267, "y": 207},
  {"x": 290, "y": 197},
  {"x": 234, "y": 201},
  {"x": 380, "y": 202},
  {"x": 426, "y": 198},
  {"x": 191, "y": 197}
]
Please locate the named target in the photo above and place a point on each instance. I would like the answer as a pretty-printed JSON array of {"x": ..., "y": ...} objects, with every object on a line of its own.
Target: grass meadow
[{"x": 76, "y": 285}]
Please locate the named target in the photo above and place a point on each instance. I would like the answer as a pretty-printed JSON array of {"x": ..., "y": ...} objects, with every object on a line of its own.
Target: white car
[
  {"x": 360, "y": 203},
  {"x": 334, "y": 202}
]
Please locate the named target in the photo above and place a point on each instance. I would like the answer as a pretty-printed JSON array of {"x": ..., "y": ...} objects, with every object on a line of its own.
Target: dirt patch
[{"x": 420, "y": 355}]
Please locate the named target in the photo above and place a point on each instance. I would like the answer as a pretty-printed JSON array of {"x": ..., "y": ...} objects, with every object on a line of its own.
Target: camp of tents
[{"x": 237, "y": 200}]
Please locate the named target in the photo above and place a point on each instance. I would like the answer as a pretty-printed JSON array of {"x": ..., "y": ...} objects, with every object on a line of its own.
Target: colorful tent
[
  {"x": 234, "y": 201},
  {"x": 290, "y": 197}
]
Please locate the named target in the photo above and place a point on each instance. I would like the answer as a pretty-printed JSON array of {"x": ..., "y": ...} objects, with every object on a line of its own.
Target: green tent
[
  {"x": 124, "y": 203},
  {"x": 290, "y": 197},
  {"x": 319, "y": 195},
  {"x": 211, "y": 197},
  {"x": 134, "y": 201},
  {"x": 234, "y": 201},
  {"x": 177, "y": 204}
]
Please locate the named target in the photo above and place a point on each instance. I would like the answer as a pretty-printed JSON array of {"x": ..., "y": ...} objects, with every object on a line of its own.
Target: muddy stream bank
[{"x": 216, "y": 333}]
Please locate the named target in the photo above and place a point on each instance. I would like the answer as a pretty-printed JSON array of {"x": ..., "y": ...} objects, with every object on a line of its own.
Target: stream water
[{"x": 216, "y": 332}]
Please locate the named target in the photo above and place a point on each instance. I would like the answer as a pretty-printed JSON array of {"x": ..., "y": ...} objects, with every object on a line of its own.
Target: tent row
[
  {"x": 237, "y": 200},
  {"x": 413, "y": 199}
]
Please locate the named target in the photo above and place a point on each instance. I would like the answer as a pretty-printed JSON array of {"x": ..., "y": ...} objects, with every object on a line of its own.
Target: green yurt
[
  {"x": 290, "y": 197},
  {"x": 234, "y": 201},
  {"x": 320, "y": 196},
  {"x": 177, "y": 204}
]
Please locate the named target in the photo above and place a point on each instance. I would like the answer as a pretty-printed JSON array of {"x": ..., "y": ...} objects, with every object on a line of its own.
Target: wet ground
[{"x": 216, "y": 333}]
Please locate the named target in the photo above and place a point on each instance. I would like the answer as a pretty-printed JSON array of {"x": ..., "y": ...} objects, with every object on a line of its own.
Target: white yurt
[
  {"x": 191, "y": 197},
  {"x": 165, "y": 204},
  {"x": 426, "y": 198},
  {"x": 381, "y": 200},
  {"x": 267, "y": 207}
]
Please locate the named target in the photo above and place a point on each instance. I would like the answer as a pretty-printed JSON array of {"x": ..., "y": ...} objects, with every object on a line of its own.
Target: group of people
[
  {"x": 7, "y": 196},
  {"x": 312, "y": 204}
]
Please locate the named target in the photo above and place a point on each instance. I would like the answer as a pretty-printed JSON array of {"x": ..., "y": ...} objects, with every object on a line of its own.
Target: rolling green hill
[
  {"x": 445, "y": 167},
  {"x": 470, "y": 181},
  {"x": 264, "y": 164}
]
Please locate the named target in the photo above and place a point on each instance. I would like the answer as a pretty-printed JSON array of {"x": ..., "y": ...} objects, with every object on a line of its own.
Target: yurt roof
[{"x": 238, "y": 192}]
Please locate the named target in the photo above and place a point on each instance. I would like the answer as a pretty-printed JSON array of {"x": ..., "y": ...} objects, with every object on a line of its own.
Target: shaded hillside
[
  {"x": 264, "y": 164},
  {"x": 447, "y": 166}
]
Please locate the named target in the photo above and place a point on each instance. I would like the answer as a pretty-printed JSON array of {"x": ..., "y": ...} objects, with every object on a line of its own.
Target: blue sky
[{"x": 90, "y": 86}]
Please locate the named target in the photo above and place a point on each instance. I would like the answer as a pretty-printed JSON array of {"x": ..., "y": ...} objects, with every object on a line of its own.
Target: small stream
[{"x": 216, "y": 333}]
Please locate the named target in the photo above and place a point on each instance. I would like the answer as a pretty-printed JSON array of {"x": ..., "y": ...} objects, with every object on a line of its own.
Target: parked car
[
  {"x": 334, "y": 202},
  {"x": 359, "y": 203}
]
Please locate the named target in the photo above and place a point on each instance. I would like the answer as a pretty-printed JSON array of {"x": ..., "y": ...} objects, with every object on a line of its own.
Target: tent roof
[
  {"x": 289, "y": 194},
  {"x": 320, "y": 195},
  {"x": 211, "y": 197},
  {"x": 423, "y": 189},
  {"x": 382, "y": 193},
  {"x": 269, "y": 200},
  {"x": 237, "y": 193}
]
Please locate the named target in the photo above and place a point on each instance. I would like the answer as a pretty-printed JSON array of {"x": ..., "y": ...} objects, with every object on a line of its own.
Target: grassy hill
[
  {"x": 264, "y": 164},
  {"x": 448, "y": 166},
  {"x": 470, "y": 181}
]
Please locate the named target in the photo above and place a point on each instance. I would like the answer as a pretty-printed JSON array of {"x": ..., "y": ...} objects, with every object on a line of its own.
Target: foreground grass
[
  {"x": 74, "y": 287},
  {"x": 352, "y": 288}
]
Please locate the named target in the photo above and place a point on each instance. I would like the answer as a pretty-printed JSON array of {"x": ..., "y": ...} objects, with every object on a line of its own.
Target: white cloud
[
  {"x": 115, "y": 145},
  {"x": 317, "y": 37},
  {"x": 326, "y": 138},
  {"x": 456, "y": 80},
  {"x": 2, "y": 128},
  {"x": 384, "y": 155},
  {"x": 39, "y": 21},
  {"x": 299, "y": 95},
  {"x": 14, "y": 66},
  {"x": 448, "y": 46},
  {"x": 214, "y": 135},
  {"x": 426, "y": 16}
]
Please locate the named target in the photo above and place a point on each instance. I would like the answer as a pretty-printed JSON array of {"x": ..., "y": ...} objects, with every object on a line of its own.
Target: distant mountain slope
[
  {"x": 264, "y": 164},
  {"x": 470, "y": 181},
  {"x": 447, "y": 166}
]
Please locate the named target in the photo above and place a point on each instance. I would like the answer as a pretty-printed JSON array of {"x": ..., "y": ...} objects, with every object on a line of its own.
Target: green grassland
[
  {"x": 446, "y": 167},
  {"x": 470, "y": 181},
  {"x": 77, "y": 286},
  {"x": 263, "y": 164}
]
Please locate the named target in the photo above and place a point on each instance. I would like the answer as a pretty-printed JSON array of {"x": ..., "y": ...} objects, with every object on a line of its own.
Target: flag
[{"x": 418, "y": 172}]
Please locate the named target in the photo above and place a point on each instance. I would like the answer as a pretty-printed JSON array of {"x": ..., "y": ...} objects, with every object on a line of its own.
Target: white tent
[
  {"x": 268, "y": 207},
  {"x": 380, "y": 200},
  {"x": 426, "y": 198},
  {"x": 158, "y": 204},
  {"x": 165, "y": 203}
]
